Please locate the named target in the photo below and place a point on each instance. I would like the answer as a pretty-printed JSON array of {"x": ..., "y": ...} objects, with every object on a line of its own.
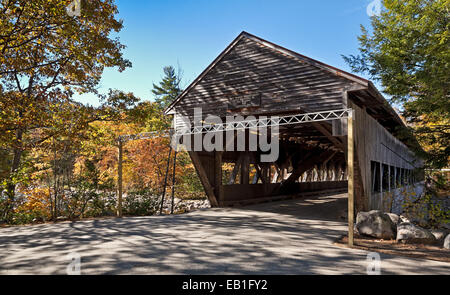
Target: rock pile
[
  {"x": 181, "y": 205},
  {"x": 390, "y": 226}
]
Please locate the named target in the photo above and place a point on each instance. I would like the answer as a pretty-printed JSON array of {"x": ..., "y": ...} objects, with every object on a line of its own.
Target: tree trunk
[{"x": 11, "y": 185}]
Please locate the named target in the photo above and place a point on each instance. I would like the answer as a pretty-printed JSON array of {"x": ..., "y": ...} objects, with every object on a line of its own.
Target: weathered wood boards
[
  {"x": 253, "y": 68},
  {"x": 351, "y": 179},
  {"x": 374, "y": 143}
]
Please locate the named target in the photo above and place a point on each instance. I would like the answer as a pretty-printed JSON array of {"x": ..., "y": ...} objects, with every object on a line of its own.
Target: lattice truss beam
[
  {"x": 267, "y": 122},
  {"x": 245, "y": 124}
]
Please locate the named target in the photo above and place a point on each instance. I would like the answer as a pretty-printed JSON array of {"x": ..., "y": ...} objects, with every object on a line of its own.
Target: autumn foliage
[{"x": 58, "y": 157}]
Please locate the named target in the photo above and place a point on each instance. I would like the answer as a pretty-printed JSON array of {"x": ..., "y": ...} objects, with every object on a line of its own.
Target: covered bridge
[{"x": 316, "y": 105}]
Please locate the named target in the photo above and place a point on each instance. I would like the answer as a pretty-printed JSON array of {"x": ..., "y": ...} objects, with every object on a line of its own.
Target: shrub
[
  {"x": 427, "y": 209},
  {"x": 32, "y": 206},
  {"x": 140, "y": 203}
]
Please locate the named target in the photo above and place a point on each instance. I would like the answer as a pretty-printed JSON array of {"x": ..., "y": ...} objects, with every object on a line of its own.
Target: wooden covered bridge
[{"x": 335, "y": 130}]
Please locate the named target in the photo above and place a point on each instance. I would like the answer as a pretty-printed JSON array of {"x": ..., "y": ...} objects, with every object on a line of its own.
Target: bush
[
  {"x": 33, "y": 205},
  {"x": 102, "y": 204},
  {"x": 141, "y": 203},
  {"x": 428, "y": 210}
]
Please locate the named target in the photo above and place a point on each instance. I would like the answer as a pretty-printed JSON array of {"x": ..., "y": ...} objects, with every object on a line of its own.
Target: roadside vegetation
[{"x": 58, "y": 157}]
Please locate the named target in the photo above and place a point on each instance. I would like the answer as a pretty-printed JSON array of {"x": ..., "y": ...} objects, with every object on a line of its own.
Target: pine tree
[{"x": 169, "y": 88}]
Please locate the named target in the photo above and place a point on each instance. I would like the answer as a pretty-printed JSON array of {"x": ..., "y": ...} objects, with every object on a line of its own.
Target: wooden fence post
[
  {"x": 165, "y": 180},
  {"x": 173, "y": 180},
  {"x": 119, "y": 180},
  {"x": 351, "y": 176},
  {"x": 218, "y": 190}
]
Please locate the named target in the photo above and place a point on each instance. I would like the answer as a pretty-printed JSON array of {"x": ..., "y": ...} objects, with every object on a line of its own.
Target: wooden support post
[
  {"x": 380, "y": 204},
  {"x": 119, "y": 180},
  {"x": 165, "y": 181},
  {"x": 267, "y": 172},
  {"x": 204, "y": 178},
  {"x": 395, "y": 178},
  {"x": 235, "y": 171},
  {"x": 245, "y": 169},
  {"x": 381, "y": 179},
  {"x": 218, "y": 189},
  {"x": 350, "y": 169},
  {"x": 261, "y": 171},
  {"x": 283, "y": 174},
  {"x": 173, "y": 180},
  {"x": 389, "y": 178}
]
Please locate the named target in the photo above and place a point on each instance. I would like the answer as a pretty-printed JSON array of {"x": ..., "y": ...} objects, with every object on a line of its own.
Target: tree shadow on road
[{"x": 252, "y": 240}]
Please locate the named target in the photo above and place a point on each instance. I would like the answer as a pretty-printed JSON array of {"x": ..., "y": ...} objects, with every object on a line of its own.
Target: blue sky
[{"x": 192, "y": 33}]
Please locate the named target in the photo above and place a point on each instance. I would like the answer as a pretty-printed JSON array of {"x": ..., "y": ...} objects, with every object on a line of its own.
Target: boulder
[
  {"x": 410, "y": 233},
  {"x": 439, "y": 234},
  {"x": 375, "y": 224},
  {"x": 447, "y": 242},
  {"x": 394, "y": 218},
  {"x": 403, "y": 219},
  {"x": 446, "y": 226}
]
